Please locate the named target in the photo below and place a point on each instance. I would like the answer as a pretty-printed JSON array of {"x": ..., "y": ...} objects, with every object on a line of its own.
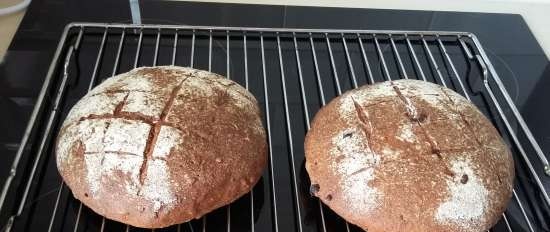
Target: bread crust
[
  {"x": 159, "y": 146},
  {"x": 409, "y": 155}
]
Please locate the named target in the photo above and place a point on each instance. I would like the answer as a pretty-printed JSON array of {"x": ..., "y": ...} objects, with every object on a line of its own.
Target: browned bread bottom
[{"x": 411, "y": 156}]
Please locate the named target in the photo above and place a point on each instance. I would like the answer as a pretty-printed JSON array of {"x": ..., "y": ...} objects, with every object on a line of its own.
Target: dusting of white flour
[
  {"x": 145, "y": 103},
  {"x": 168, "y": 138},
  {"x": 94, "y": 104},
  {"x": 129, "y": 137},
  {"x": 156, "y": 187},
  {"x": 130, "y": 81},
  {"x": 126, "y": 136},
  {"x": 356, "y": 168},
  {"x": 104, "y": 165},
  {"x": 406, "y": 133},
  {"x": 90, "y": 132},
  {"x": 347, "y": 105},
  {"x": 116, "y": 145},
  {"x": 467, "y": 201}
]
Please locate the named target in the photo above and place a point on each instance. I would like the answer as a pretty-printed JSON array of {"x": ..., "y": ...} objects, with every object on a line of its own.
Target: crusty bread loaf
[
  {"x": 409, "y": 155},
  {"x": 163, "y": 145}
]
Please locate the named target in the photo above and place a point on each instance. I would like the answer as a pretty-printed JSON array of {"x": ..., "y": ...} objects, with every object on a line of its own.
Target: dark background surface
[{"x": 511, "y": 47}]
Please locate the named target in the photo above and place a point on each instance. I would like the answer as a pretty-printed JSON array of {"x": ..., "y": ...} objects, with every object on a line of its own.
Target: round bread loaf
[
  {"x": 158, "y": 146},
  {"x": 409, "y": 155}
]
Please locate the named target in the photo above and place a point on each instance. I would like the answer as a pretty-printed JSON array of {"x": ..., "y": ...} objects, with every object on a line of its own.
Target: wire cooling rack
[{"x": 292, "y": 73}]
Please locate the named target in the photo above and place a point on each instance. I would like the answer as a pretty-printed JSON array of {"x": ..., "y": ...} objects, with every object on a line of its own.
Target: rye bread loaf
[
  {"x": 409, "y": 155},
  {"x": 158, "y": 146}
]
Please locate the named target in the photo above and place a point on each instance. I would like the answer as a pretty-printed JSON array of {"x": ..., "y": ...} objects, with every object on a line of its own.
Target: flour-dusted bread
[
  {"x": 409, "y": 155},
  {"x": 159, "y": 146}
]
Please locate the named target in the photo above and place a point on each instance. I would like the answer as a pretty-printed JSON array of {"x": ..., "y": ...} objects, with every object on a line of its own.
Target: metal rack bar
[
  {"x": 192, "y": 48},
  {"x": 300, "y": 76},
  {"x": 157, "y": 43},
  {"x": 174, "y": 48},
  {"x": 138, "y": 49},
  {"x": 204, "y": 223},
  {"x": 228, "y": 218},
  {"x": 98, "y": 59},
  {"x": 289, "y": 136},
  {"x": 506, "y": 221},
  {"x": 396, "y": 54},
  {"x": 523, "y": 211},
  {"x": 120, "y": 45},
  {"x": 317, "y": 74},
  {"x": 348, "y": 59},
  {"x": 411, "y": 50},
  {"x": 210, "y": 52},
  {"x": 266, "y": 95},
  {"x": 350, "y": 65},
  {"x": 511, "y": 131},
  {"x": 259, "y": 29},
  {"x": 245, "y": 62},
  {"x": 322, "y": 96},
  {"x": 512, "y": 106},
  {"x": 77, "y": 221},
  {"x": 456, "y": 75},
  {"x": 332, "y": 64},
  {"x": 433, "y": 62},
  {"x": 52, "y": 219},
  {"x": 118, "y": 53},
  {"x": 398, "y": 58},
  {"x": 365, "y": 59},
  {"x": 227, "y": 74},
  {"x": 465, "y": 48},
  {"x": 102, "y": 224},
  {"x": 381, "y": 57},
  {"x": 252, "y": 227}
]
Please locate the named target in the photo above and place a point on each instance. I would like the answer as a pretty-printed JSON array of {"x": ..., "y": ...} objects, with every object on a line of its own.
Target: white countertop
[{"x": 535, "y": 12}]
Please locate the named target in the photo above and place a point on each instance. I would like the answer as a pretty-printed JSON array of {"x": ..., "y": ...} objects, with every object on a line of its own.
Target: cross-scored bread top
[
  {"x": 409, "y": 155},
  {"x": 134, "y": 136}
]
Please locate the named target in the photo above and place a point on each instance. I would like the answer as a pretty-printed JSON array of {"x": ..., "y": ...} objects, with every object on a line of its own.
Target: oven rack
[{"x": 292, "y": 73}]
